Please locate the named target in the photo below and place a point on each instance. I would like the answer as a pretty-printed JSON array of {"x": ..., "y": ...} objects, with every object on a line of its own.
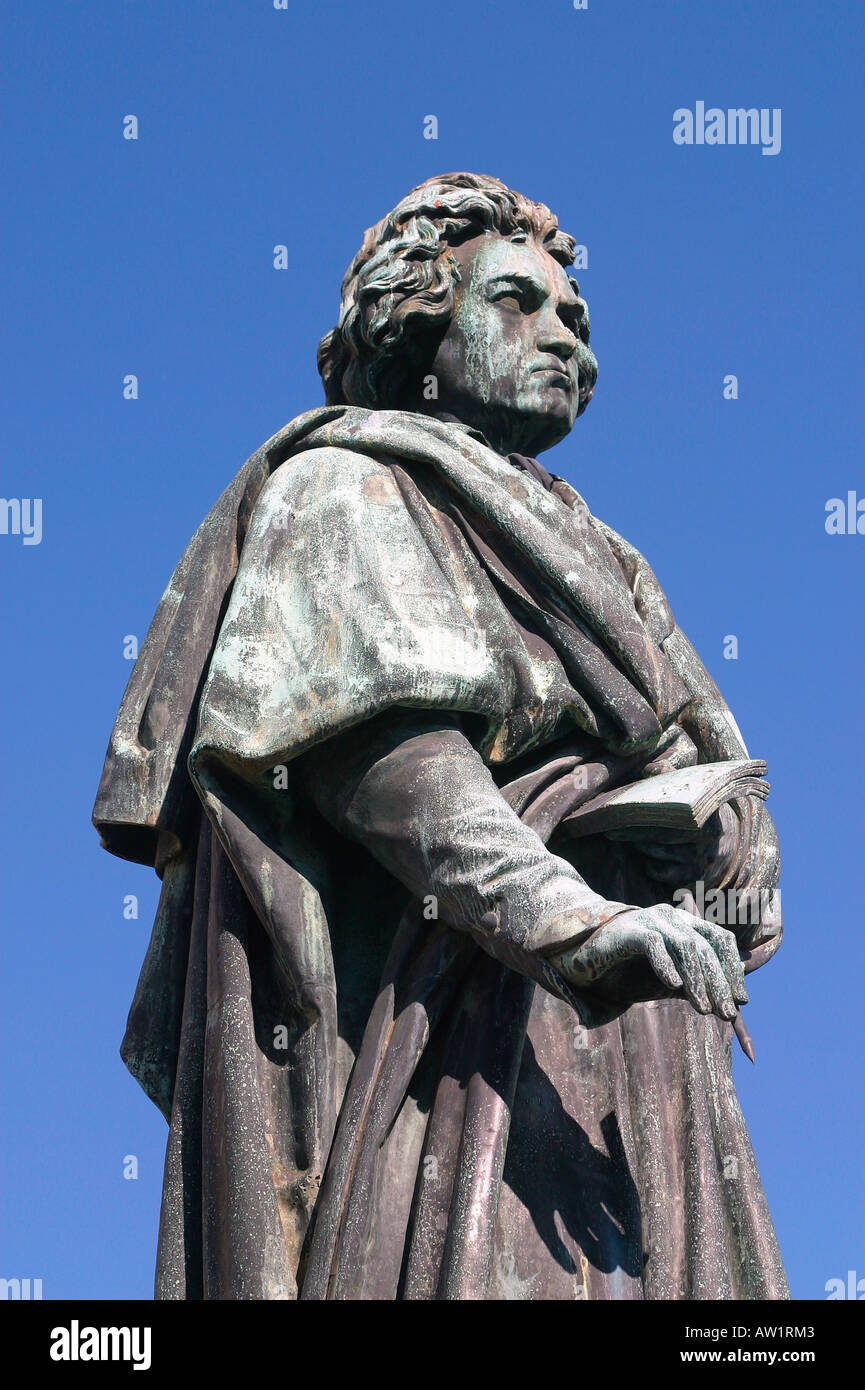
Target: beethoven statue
[{"x": 413, "y": 1040}]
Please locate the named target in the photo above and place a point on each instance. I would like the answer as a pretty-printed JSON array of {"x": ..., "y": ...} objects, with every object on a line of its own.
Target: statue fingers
[
  {"x": 661, "y": 961},
  {"x": 723, "y": 943},
  {"x": 689, "y": 966},
  {"x": 717, "y": 984}
]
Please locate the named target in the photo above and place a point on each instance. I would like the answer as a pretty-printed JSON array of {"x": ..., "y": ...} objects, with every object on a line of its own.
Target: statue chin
[
  {"x": 540, "y": 433},
  {"x": 511, "y": 431},
  {"x": 552, "y": 436}
]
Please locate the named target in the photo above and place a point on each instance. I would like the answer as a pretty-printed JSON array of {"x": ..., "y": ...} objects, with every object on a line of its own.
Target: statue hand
[{"x": 658, "y": 952}]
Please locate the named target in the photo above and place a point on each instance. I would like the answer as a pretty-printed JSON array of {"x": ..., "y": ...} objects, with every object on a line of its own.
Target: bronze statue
[{"x": 412, "y": 1038}]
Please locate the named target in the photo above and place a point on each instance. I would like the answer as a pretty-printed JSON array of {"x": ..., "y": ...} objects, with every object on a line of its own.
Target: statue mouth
[{"x": 560, "y": 375}]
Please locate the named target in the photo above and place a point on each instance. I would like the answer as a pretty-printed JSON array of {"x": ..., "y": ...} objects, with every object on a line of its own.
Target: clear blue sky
[{"x": 302, "y": 127}]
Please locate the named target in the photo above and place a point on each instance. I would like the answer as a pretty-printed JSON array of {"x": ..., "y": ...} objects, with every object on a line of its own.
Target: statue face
[{"x": 506, "y": 364}]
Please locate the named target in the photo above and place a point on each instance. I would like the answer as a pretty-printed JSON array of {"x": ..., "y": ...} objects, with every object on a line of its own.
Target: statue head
[{"x": 459, "y": 305}]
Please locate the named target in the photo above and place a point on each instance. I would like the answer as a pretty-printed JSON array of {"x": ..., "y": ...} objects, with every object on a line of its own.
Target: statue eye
[
  {"x": 520, "y": 297},
  {"x": 511, "y": 298}
]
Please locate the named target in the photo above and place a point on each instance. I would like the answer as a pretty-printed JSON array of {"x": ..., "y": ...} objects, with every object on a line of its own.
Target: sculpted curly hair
[{"x": 398, "y": 293}]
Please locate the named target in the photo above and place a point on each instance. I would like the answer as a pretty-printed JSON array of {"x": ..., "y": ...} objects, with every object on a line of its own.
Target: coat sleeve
[{"x": 414, "y": 792}]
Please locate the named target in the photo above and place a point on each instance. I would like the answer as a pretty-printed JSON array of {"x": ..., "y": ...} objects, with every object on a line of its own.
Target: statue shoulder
[{"x": 326, "y": 476}]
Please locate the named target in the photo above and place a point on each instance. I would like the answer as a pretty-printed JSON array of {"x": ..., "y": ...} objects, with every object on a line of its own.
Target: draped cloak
[{"x": 366, "y": 1100}]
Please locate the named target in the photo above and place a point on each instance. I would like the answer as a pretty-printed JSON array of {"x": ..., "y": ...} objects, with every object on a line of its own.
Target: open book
[{"x": 681, "y": 800}]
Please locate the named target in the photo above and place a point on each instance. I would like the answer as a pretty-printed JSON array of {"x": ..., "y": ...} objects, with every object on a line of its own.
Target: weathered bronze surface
[{"x": 411, "y": 1040}]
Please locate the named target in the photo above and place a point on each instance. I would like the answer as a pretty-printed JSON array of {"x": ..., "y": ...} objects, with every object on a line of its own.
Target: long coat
[{"x": 378, "y": 1085}]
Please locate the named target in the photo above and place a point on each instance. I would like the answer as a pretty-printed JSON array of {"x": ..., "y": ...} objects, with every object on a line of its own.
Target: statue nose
[
  {"x": 563, "y": 344},
  {"x": 556, "y": 337}
]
